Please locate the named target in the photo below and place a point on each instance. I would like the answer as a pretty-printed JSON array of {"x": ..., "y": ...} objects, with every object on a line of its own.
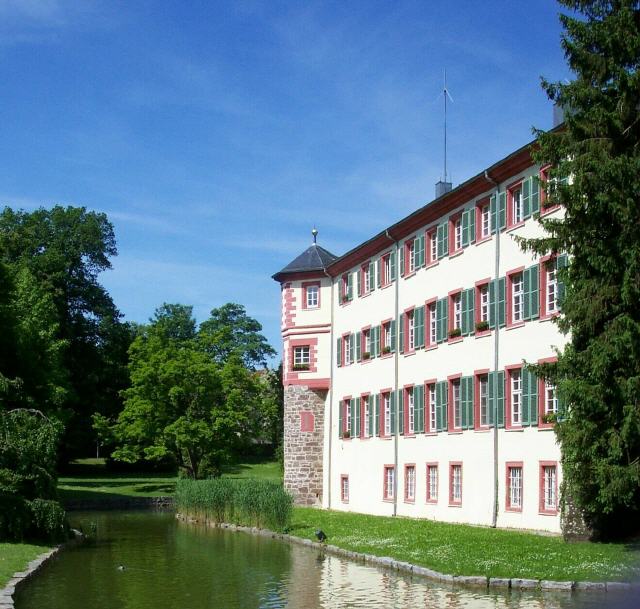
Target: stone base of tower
[{"x": 303, "y": 443}]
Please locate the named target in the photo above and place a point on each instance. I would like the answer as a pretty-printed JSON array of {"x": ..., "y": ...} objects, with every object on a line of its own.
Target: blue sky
[{"x": 215, "y": 134}]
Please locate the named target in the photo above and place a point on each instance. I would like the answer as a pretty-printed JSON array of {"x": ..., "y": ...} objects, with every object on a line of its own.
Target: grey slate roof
[{"x": 314, "y": 258}]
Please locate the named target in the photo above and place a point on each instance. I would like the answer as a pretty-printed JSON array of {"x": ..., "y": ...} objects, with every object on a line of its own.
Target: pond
[{"x": 149, "y": 560}]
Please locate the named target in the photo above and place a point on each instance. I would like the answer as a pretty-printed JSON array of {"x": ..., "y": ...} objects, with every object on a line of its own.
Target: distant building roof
[{"x": 314, "y": 258}]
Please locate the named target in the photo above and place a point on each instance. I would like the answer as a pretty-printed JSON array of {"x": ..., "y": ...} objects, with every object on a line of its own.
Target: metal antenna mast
[{"x": 445, "y": 94}]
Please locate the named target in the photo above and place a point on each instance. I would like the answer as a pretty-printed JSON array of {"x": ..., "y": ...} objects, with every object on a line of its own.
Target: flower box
[
  {"x": 386, "y": 350},
  {"x": 366, "y": 355},
  {"x": 455, "y": 333},
  {"x": 482, "y": 326},
  {"x": 298, "y": 367}
]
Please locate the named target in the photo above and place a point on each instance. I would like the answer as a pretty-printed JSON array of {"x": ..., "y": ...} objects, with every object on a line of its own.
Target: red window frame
[
  {"x": 452, "y": 233},
  {"x": 477, "y": 314},
  {"x": 384, "y": 280},
  {"x": 381, "y": 422},
  {"x": 543, "y": 176},
  {"x": 431, "y": 237},
  {"x": 480, "y": 205},
  {"x": 407, "y": 499},
  {"x": 363, "y": 288},
  {"x": 429, "y": 312},
  {"x": 508, "y": 418},
  {"x": 405, "y": 321},
  {"x": 509, "y": 297},
  {"x": 352, "y": 356},
  {"x": 345, "y": 403},
  {"x": 515, "y": 186},
  {"x": 509, "y": 465},
  {"x": 343, "y": 478},
  {"x": 405, "y": 410},
  {"x": 427, "y": 407},
  {"x": 454, "y": 378},
  {"x": 477, "y": 374},
  {"x": 544, "y": 262},
  {"x": 385, "y": 491},
  {"x": 451, "y": 318},
  {"x": 366, "y": 396},
  {"x": 541, "y": 503},
  {"x": 344, "y": 288},
  {"x": 305, "y": 286},
  {"x": 364, "y": 331},
  {"x": 429, "y": 498},
  {"x": 385, "y": 328},
  {"x": 542, "y": 397},
  {"x": 452, "y": 501}
]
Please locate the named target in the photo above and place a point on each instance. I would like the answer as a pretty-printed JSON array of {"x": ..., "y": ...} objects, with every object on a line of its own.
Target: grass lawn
[
  {"x": 465, "y": 550},
  {"x": 89, "y": 479},
  {"x": 14, "y": 557}
]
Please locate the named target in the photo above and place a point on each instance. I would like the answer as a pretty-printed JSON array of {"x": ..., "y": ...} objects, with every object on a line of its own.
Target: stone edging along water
[
  {"x": 411, "y": 569},
  {"x": 19, "y": 578}
]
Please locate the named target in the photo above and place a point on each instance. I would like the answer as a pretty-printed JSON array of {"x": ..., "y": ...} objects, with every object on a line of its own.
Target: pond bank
[
  {"x": 516, "y": 583},
  {"x": 119, "y": 503}
]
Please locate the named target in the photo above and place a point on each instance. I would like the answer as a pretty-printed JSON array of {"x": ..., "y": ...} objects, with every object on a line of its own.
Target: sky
[{"x": 215, "y": 135}]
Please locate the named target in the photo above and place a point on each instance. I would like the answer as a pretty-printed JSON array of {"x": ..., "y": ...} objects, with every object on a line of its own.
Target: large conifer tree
[{"x": 598, "y": 372}]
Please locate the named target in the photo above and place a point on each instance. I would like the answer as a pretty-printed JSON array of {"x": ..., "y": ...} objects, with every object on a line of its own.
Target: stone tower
[{"x": 306, "y": 363}]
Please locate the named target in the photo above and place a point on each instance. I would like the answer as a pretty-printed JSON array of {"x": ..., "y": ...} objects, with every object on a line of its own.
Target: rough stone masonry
[{"x": 303, "y": 443}]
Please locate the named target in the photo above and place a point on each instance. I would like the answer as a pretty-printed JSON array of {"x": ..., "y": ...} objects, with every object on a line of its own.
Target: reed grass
[{"x": 248, "y": 502}]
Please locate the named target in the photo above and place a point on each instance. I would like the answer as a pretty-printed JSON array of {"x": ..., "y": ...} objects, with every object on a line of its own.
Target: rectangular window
[
  {"x": 432, "y": 483},
  {"x": 455, "y": 483},
  {"x": 433, "y": 412},
  {"x": 386, "y": 337},
  {"x": 517, "y": 298},
  {"x": 386, "y": 270},
  {"x": 457, "y": 228},
  {"x": 433, "y": 324},
  {"x": 411, "y": 331},
  {"x": 389, "y": 482},
  {"x": 344, "y": 489},
  {"x": 386, "y": 408},
  {"x": 301, "y": 356},
  {"x": 456, "y": 404},
  {"x": 410, "y": 483},
  {"x": 411, "y": 410},
  {"x": 514, "y": 487},
  {"x": 347, "y": 418},
  {"x": 485, "y": 221},
  {"x": 432, "y": 244},
  {"x": 517, "y": 210},
  {"x": 552, "y": 291},
  {"x": 345, "y": 294},
  {"x": 366, "y": 344},
  {"x": 484, "y": 303},
  {"x": 313, "y": 296},
  {"x": 346, "y": 341},
  {"x": 366, "y": 410},
  {"x": 516, "y": 397},
  {"x": 409, "y": 256},
  {"x": 457, "y": 312},
  {"x": 548, "y": 488},
  {"x": 365, "y": 278},
  {"x": 483, "y": 391},
  {"x": 550, "y": 398}
]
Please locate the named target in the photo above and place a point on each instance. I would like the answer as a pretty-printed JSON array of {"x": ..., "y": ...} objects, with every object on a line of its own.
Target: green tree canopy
[
  {"x": 598, "y": 372},
  {"x": 230, "y": 331}
]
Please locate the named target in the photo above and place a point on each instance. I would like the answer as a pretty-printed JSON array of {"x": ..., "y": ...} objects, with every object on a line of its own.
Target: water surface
[{"x": 148, "y": 560}]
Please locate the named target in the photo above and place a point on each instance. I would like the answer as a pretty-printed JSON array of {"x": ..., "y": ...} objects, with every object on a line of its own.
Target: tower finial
[{"x": 314, "y": 232}]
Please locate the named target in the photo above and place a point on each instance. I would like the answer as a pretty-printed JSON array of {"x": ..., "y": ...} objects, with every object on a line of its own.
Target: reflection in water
[{"x": 181, "y": 566}]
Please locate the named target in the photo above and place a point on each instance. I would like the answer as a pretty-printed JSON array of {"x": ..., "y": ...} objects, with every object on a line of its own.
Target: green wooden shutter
[
  {"x": 418, "y": 318},
  {"x": 468, "y": 311},
  {"x": 350, "y": 286},
  {"x": 500, "y": 382},
  {"x": 392, "y": 409},
  {"x": 392, "y": 332},
  {"x": 466, "y": 394},
  {"x": 491, "y": 401},
  {"x": 340, "y": 418},
  {"x": 492, "y": 304},
  {"x": 358, "y": 417},
  {"x": 502, "y": 301},
  {"x": 531, "y": 292},
  {"x": 372, "y": 276},
  {"x": 441, "y": 405},
  {"x": 502, "y": 210},
  {"x": 493, "y": 213},
  {"x": 376, "y": 416},
  {"x": 403, "y": 250},
  {"x": 561, "y": 262},
  {"x": 442, "y": 236},
  {"x": 359, "y": 286},
  {"x": 392, "y": 266},
  {"x": 526, "y": 290},
  {"x": 422, "y": 245},
  {"x": 529, "y": 398},
  {"x": 535, "y": 194},
  {"x": 525, "y": 396},
  {"x": 418, "y": 400},
  {"x": 472, "y": 225},
  {"x": 441, "y": 320},
  {"x": 372, "y": 415},
  {"x": 379, "y": 272},
  {"x": 400, "y": 398},
  {"x": 339, "y": 351},
  {"x": 401, "y": 332},
  {"x": 352, "y": 407},
  {"x": 526, "y": 198},
  {"x": 358, "y": 340},
  {"x": 352, "y": 341}
]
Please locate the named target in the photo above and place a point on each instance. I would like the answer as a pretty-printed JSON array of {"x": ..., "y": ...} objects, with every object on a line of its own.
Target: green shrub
[
  {"x": 48, "y": 520},
  {"x": 258, "y": 503}
]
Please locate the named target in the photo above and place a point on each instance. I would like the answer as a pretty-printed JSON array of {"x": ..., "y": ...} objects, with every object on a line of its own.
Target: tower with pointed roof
[{"x": 306, "y": 322}]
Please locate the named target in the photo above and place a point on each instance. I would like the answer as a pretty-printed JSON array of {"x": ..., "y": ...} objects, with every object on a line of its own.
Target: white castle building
[{"x": 406, "y": 391}]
